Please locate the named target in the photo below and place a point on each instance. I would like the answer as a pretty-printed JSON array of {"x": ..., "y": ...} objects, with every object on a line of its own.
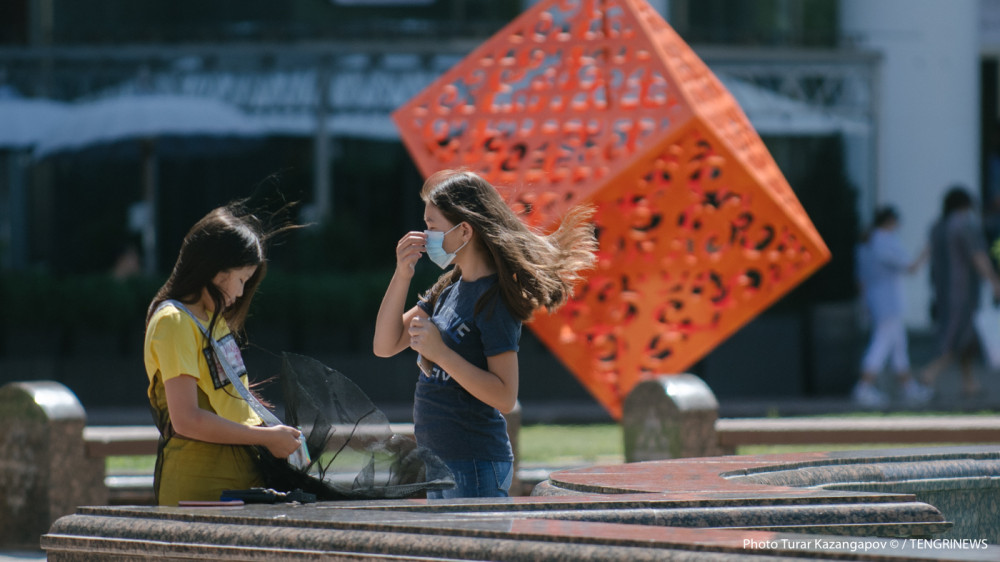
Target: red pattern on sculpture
[{"x": 602, "y": 103}]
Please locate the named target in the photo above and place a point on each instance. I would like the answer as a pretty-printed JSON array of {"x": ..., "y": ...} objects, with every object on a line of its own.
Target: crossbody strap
[{"x": 300, "y": 458}]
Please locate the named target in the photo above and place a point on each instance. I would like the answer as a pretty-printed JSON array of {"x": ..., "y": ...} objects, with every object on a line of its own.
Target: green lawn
[
  {"x": 567, "y": 445},
  {"x": 142, "y": 464},
  {"x": 557, "y": 445},
  {"x": 538, "y": 444},
  {"x": 571, "y": 444}
]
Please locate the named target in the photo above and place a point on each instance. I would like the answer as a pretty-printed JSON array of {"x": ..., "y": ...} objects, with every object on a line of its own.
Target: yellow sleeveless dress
[{"x": 188, "y": 469}]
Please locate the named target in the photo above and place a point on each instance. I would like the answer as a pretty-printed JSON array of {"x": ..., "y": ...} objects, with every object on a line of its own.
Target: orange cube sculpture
[{"x": 602, "y": 103}]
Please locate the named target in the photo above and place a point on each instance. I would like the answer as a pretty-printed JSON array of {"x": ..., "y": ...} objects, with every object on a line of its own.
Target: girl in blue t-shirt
[{"x": 466, "y": 327}]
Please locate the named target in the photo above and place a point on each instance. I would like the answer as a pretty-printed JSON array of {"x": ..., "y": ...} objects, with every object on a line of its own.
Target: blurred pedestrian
[
  {"x": 128, "y": 263},
  {"x": 959, "y": 264},
  {"x": 466, "y": 327},
  {"x": 206, "y": 425},
  {"x": 882, "y": 262}
]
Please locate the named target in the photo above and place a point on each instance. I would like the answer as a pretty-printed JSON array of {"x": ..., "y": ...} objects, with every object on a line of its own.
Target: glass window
[{"x": 765, "y": 23}]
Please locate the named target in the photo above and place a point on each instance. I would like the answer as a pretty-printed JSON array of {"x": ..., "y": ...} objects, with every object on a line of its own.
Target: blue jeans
[{"x": 477, "y": 479}]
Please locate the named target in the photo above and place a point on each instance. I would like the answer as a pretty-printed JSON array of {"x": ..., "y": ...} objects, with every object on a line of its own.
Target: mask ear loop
[{"x": 464, "y": 244}]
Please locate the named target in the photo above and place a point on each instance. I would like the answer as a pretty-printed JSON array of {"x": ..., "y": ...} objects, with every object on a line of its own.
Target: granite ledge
[{"x": 81, "y": 537}]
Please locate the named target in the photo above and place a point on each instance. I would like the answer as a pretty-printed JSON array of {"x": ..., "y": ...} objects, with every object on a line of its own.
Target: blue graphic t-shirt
[{"x": 446, "y": 418}]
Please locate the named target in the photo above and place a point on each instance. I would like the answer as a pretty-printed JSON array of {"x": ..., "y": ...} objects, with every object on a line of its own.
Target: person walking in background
[
  {"x": 882, "y": 261},
  {"x": 959, "y": 263},
  {"x": 205, "y": 425},
  {"x": 466, "y": 328}
]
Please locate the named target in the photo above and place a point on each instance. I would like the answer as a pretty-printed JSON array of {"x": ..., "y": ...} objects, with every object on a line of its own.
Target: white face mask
[{"x": 435, "y": 247}]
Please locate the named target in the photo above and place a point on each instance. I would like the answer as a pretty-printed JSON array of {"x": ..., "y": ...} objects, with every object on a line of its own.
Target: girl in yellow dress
[{"x": 207, "y": 429}]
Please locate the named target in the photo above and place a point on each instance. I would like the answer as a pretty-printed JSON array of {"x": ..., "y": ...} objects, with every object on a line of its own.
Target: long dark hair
[
  {"x": 534, "y": 270},
  {"x": 957, "y": 199},
  {"x": 228, "y": 237}
]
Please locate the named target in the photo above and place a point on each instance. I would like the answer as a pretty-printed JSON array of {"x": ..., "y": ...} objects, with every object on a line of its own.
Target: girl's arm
[
  {"x": 925, "y": 253},
  {"x": 390, "y": 335},
  {"x": 495, "y": 386},
  {"x": 390, "y": 325},
  {"x": 194, "y": 423}
]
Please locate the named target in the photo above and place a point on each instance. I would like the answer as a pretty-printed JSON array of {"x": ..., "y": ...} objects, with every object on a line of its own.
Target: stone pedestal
[
  {"x": 44, "y": 470},
  {"x": 671, "y": 416}
]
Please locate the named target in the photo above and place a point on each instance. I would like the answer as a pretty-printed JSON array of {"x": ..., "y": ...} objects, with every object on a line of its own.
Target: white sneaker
[
  {"x": 866, "y": 395},
  {"x": 915, "y": 393}
]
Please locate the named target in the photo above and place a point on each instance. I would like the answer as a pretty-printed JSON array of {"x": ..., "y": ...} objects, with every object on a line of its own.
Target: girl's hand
[
  {"x": 408, "y": 251},
  {"x": 425, "y": 338},
  {"x": 281, "y": 440}
]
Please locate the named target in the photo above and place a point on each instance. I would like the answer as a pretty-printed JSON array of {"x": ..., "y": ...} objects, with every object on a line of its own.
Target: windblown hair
[
  {"x": 228, "y": 237},
  {"x": 534, "y": 270}
]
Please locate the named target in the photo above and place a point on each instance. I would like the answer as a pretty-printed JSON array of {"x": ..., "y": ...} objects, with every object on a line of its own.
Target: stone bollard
[
  {"x": 669, "y": 417},
  {"x": 44, "y": 469}
]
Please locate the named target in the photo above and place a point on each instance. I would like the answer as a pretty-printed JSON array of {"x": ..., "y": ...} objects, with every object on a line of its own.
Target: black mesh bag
[{"x": 354, "y": 453}]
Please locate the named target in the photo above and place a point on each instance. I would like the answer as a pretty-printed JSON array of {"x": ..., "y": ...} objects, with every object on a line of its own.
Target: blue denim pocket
[
  {"x": 504, "y": 472},
  {"x": 477, "y": 479}
]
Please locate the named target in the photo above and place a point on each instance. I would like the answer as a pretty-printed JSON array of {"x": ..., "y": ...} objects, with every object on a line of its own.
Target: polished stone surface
[
  {"x": 965, "y": 486},
  {"x": 962, "y": 483},
  {"x": 300, "y": 532},
  {"x": 684, "y": 509}
]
